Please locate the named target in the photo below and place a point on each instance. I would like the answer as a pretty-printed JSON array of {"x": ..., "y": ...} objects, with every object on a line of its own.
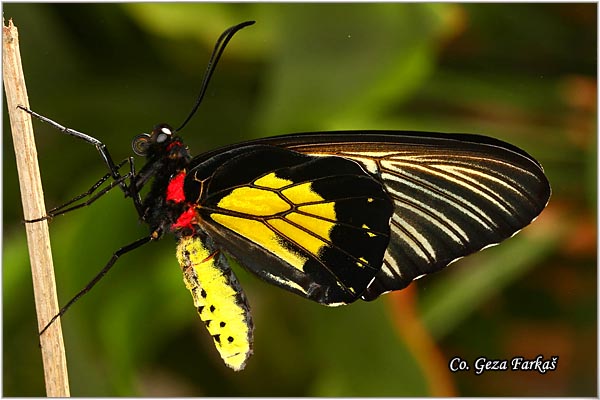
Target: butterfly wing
[
  {"x": 317, "y": 226},
  {"x": 452, "y": 194}
]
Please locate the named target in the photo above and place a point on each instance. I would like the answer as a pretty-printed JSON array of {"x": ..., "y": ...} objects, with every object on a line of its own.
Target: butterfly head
[{"x": 161, "y": 142}]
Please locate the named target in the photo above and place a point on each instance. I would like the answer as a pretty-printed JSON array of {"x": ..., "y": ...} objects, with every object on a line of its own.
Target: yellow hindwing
[{"x": 267, "y": 218}]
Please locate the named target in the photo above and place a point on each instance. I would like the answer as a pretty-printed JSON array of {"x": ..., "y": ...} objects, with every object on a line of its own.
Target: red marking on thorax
[
  {"x": 173, "y": 144},
  {"x": 185, "y": 220},
  {"x": 175, "y": 189}
]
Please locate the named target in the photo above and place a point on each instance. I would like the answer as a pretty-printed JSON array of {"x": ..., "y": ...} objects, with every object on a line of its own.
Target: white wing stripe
[
  {"x": 467, "y": 160},
  {"x": 417, "y": 242},
  {"x": 450, "y": 198},
  {"x": 390, "y": 266},
  {"x": 431, "y": 194},
  {"x": 433, "y": 216},
  {"x": 473, "y": 187},
  {"x": 466, "y": 175}
]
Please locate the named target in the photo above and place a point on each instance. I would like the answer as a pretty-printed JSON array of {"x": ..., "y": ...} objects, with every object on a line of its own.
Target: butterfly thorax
[{"x": 167, "y": 161}]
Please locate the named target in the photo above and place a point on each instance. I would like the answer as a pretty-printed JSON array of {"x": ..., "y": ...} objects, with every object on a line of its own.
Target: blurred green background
[{"x": 524, "y": 73}]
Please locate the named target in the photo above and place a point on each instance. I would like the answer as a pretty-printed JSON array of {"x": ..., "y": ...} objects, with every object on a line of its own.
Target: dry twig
[{"x": 38, "y": 239}]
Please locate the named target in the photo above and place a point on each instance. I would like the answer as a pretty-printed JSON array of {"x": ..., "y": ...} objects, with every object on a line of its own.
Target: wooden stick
[{"x": 32, "y": 196}]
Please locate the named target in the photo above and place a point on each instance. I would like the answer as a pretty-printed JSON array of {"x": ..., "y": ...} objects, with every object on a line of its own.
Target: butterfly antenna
[{"x": 212, "y": 64}]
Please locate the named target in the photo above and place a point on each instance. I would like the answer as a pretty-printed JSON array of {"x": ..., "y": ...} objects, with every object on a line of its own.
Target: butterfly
[{"x": 334, "y": 217}]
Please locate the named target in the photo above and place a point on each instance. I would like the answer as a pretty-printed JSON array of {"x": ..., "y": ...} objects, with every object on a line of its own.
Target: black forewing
[
  {"x": 453, "y": 194},
  {"x": 328, "y": 245}
]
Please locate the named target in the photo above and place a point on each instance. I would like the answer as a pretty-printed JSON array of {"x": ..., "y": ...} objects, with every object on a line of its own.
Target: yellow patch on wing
[
  {"x": 217, "y": 301},
  {"x": 302, "y": 193},
  {"x": 271, "y": 220},
  {"x": 273, "y": 182},
  {"x": 259, "y": 233},
  {"x": 324, "y": 210},
  {"x": 366, "y": 227},
  {"x": 298, "y": 236},
  {"x": 254, "y": 201},
  {"x": 362, "y": 262},
  {"x": 315, "y": 225}
]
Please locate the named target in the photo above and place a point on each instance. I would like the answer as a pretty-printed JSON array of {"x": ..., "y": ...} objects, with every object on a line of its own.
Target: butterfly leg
[
  {"x": 114, "y": 171},
  {"x": 123, "y": 250},
  {"x": 65, "y": 208}
]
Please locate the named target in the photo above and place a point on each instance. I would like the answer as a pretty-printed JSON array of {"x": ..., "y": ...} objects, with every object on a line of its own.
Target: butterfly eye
[
  {"x": 162, "y": 133},
  {"x": 141, "y": 144},
  {"x": 162, "y": 137}
]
